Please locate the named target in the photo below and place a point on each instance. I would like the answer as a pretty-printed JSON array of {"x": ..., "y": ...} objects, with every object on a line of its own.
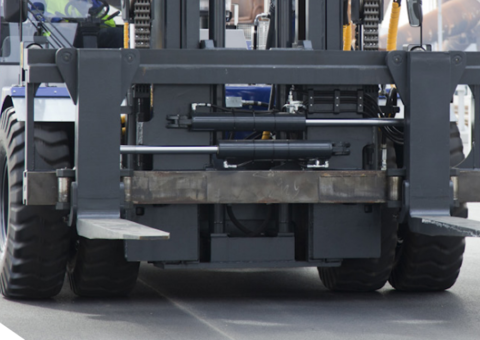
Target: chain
[
  {"x": 142, "y": 22},
  {"x": 371, "y": 10}
]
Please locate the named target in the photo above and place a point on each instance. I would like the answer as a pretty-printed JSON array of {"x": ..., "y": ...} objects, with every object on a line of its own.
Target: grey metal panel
[
  {"x": 47, "y": 109},
  {"x": 182, "y": 224},
  {"x": 469, "y": 186},
  {"x": 96, "y": 128},
  {"x": 343, "y": 68},
  {"x": 216, "y": 22},
  {"x": 180, "y": 187},
  {"x": 30, "y": 90},
  {"x": 176, "y": 99},
  {"x": 279, "y": 67},
  {"x": 252, "y": 249},
  {"x": 427, "y": 188},
  {"x": 357, "y": 137},
  {"x": 283, "y": 23},
  {"x": 240, "y": 187},
  {"x": 43, "y": 73},
  {"x": 315, "y": 25},
  {"x": 244, "y": 265},
  {"x": 334, "y": 16},
  {"x": 345, "y": 231},
  {"x": 471, "y": 76},
  {"x": 40, "y": 188},
  {"x": 117, "y": 229},
  {"x": 172, "y": 24},
  {"x": 190, "y": 24}
]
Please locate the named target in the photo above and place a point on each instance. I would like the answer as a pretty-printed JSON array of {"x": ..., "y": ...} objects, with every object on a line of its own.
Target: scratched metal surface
[{"x": 236, "y": 187}]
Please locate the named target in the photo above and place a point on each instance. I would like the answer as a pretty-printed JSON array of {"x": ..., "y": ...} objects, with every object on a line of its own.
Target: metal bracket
[
  {"x": 67, "y": 63},
  {"x": 427, "y": 189},
  {"x": 66, "y": 60}
]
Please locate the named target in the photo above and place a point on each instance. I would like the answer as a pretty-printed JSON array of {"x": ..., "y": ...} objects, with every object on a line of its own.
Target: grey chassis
[{"x": 183, "y": 183}]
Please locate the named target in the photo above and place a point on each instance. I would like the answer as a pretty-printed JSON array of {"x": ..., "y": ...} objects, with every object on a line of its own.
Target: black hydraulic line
[
  {"x": 280, "y": 149},
  {"x": 277, "y": 122},
  {"x": 271, "y": 122},
  {"x": 251, "y": 149},
  {"x": 252, "y": 233}
]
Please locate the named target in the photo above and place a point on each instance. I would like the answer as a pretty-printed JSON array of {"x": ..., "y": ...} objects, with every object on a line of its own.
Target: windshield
[{"x": 56, "y": 10}]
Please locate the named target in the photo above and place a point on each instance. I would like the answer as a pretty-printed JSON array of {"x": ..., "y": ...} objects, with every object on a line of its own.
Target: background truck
[{"x": 185, "y": 154}]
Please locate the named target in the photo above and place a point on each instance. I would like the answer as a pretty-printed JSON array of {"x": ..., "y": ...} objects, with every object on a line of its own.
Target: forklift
[{"x": 183, "y": 153}]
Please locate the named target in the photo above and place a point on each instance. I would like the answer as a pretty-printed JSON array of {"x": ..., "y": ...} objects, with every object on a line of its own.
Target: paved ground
[{"x": 253, "y": 304}]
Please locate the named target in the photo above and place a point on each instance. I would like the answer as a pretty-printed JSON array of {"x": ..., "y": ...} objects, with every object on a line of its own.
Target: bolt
[
  {"x": 67, "y": 56},
  {"x": 130, "y": 57},
  {"x": 397, "y": 59},
  {"x": 457, "y": 59}
]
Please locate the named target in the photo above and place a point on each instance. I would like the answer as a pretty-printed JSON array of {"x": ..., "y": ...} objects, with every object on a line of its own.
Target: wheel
[
  {"x": 34, "y": 240},
  {"x": 365, "y": 275},
  {"x": 99, "y": 269},
  {"x": 430, "y": 263}
]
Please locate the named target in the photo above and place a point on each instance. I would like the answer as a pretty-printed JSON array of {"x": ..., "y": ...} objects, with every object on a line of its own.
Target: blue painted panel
[
  {"x": 51, "y": 92},
  {"x": 259, "y": 93}
]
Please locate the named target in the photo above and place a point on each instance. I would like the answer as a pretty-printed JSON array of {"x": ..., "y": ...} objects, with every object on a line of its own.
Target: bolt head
[
  {"x": 67, "y": 56},
  {"x": 130, "y": 57}
]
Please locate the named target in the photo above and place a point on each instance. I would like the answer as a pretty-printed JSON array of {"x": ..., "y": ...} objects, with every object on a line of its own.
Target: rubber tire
[
  {"x": 367, "y": 275},
  {"x": 99, "y": 269},
  {"x": 427, "y": 263},
  {"x": 37, "y": 239}
]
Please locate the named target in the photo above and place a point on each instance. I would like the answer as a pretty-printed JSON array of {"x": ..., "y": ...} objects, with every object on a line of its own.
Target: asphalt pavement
[{"x": 252, "y": 304}]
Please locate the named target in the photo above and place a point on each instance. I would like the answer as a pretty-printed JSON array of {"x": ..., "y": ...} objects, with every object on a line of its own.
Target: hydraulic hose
[
  {"x": 347, "y": 37},
  {"x": 126, "y": 35},
  {"x": 393, "y": 27}
]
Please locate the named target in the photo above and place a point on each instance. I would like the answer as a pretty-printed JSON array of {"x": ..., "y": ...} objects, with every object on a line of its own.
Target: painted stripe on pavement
[{"x": 7, "y": 334}]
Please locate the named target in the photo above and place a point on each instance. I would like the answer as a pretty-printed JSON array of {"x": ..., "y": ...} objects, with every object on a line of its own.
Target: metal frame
[
  {"x": 425, "y": 190},
  {"x": 202, "y": 67}
]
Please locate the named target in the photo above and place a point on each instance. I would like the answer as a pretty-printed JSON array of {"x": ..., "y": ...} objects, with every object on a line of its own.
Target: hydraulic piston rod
[
  {"x": 280, "y": 149},
  {"x": 169, "y": 150},
  {"x": 276, "y": 122},
  {"x": 354, "y": 122}
]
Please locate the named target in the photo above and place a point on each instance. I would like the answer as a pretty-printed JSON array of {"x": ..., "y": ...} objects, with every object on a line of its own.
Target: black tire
[
  {"x": 99, "y": 269},
  {"x": 427, "y": 263},
  {"x": 365, "y": 275},
  {"x": 34, "y": 240}
]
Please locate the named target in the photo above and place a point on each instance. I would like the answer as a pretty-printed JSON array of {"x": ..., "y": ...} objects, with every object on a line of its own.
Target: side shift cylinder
[
  {"x": 267, "y": 149},
  {"x": 258, "y": 122}
]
